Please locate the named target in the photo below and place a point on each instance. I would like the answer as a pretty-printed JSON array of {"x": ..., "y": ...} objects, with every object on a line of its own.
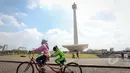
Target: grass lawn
[
  {"x": 27, "y": 55},
  {"x": 67, "y": 55},
  {"x": 83, "y": 56}
]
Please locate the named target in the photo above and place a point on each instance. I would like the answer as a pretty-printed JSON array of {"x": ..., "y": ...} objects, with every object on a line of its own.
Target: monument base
[{"x": 78, "y": 47}]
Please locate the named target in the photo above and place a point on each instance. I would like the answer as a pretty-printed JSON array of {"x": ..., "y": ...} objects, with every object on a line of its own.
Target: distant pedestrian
[
  {"x": 128, "y": 54},
  {"x": 29, "y": 52},
  {"x": 73, "y": 55},
  {"x": 122, "y": 55},
  {"x": 77, "y": 53}
]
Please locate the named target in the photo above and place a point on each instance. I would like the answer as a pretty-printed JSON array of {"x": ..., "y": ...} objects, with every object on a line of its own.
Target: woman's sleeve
[{"x": 38, "y": 49}]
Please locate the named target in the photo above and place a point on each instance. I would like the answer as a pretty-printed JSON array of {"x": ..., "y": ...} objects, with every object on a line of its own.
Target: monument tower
[
  {"x": 74, "y": 7},
  {"x": 76, "y": 46}
]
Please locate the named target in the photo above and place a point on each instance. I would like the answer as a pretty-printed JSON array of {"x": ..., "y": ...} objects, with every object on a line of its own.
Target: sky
[{"x": 101, "y": 23}]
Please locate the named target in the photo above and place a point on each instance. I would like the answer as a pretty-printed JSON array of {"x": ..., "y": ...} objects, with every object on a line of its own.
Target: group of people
[{"x": 46, "y": 54}]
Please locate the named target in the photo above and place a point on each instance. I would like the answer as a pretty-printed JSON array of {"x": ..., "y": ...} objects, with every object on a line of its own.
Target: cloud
[
  {"x": 8, "y": 19},
  {"x": 106, "y": 16},
  {"x": 58, "y": 37},
  {"x": 108, "y": 28},
  {"x": 29, "y": 38},
  {"x": 33, "y": 4},
  {"x": 21, "y": 14},
  {"x": 97, "y": 33},
  {"x": 1, "y": 23}
]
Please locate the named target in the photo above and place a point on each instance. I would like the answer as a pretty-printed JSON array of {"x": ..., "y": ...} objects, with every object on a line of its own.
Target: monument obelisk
[
  {"x": 76, "y": 46},
  {"x": 74, "y": 7}
]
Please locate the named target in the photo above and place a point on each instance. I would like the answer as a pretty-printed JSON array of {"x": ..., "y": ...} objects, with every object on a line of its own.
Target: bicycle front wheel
[
  {"x": 25, "y": 67},
  {"x": 72, "y": 67}
]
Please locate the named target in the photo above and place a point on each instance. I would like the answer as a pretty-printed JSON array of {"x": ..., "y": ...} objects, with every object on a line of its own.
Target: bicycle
[{"x": 54, "y": 69}]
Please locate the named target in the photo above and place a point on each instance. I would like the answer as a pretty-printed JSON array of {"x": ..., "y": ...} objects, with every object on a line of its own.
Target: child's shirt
[{"x": 59, "y": 53}]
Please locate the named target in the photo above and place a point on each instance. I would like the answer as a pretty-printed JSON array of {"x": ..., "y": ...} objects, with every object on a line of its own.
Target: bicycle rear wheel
[
  {"x": 25, "y": 67},
  {"x": 72, "y": 67}
]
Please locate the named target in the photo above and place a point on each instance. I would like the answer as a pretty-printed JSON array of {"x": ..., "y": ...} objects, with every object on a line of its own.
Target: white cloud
[
  {"x": 58, "y": 37},
  {"x": 8, "y": 19},
  {"x": 1, "y": 23},
  {"x": 33, "y": 4},
  {"x": 21, "y": 13},
  {"x": 29, "y": 38},
  {"x": 22, "y": 24}
]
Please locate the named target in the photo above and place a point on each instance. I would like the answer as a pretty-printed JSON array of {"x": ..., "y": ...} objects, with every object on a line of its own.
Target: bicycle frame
[
  {"x": 53, "y": 68},
  {"x": 32, "y": 61}
]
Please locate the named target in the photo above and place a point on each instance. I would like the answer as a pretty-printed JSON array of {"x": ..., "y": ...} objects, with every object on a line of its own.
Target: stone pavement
[
  {"x": 89, "y": 61},
  {"x": 11, "y": 67}
]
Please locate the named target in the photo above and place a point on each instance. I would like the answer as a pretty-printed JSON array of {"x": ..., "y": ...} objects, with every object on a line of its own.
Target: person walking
[
  {"x": 73, "y": 55},
  {"x": 77, "y": 53},
  {"x": 122, "y": 55}
]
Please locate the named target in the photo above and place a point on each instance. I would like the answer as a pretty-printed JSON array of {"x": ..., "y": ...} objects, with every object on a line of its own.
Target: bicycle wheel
[
  {"x": 25, "y": 67},
  {"x": 72, "y": 67}
]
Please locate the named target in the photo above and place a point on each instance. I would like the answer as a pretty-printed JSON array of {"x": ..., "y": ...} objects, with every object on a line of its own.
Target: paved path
[
  {"x": 11, "y": 67},
  {"x": 90, "y": 61}
]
